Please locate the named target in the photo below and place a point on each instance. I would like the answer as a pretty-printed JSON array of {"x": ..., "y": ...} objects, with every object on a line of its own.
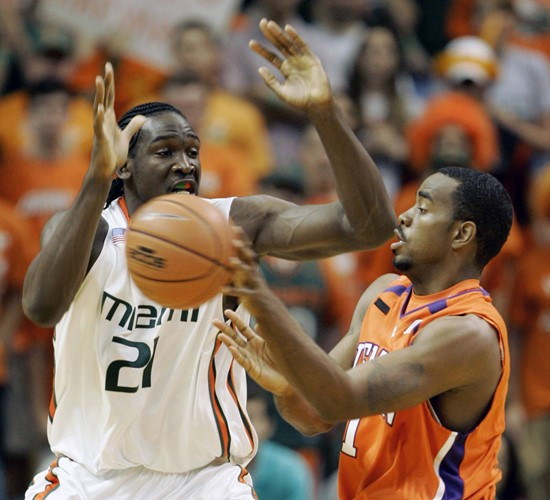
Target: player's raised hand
[
  {"x": 110, "y": 148},
  {"x": 251, "y": 352},
  {"x": 305, "y": 83}
]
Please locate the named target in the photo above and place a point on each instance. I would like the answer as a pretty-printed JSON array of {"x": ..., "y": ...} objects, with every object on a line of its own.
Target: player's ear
[
  {"x": 464, "y": 233},
  {"x": 124, "y": 172}
]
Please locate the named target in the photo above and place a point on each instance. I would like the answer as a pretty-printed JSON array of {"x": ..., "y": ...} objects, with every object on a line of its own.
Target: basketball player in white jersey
[{"x": 147, "y": 403}]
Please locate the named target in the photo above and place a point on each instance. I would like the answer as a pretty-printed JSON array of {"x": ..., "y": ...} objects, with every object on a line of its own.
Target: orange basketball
[{"x": 178, "y": 249}]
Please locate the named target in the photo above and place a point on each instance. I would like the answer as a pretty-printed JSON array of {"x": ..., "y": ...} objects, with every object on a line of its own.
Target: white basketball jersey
[{"x": 139, "y": 384}]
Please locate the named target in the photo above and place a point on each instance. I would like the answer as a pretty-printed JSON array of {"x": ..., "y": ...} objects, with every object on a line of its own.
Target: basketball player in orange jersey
[
  {"x": 422, "y": 375},
  {"x": 147, "y": 402}
]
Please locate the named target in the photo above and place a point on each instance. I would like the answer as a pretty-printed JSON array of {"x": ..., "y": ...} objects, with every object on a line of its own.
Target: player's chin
[{"x": 402, "y": 263}]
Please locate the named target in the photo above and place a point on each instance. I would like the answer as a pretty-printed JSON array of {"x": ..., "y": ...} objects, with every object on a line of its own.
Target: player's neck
[{"x": 441, "y": 280}]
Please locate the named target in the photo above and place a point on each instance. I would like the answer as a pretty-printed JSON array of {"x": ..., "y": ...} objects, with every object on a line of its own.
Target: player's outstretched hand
[
  {"x": 110, "y": 148},
  {"x": 305, "y": 83},
  {"x": 251, "y": 352}
]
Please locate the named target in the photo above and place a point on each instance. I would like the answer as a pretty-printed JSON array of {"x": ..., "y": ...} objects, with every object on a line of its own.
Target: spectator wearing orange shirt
[
  {"x": 530, "y": 317},
  {"x": 45, "y": 53},
  {"x": 17, "y": 248},
  {"x": 454, "y": 130},
  {"x": 44, "y": 173},
  {"x": 229, "y": 120},
  {"x": 16, "y": 129},
  {"x": 41, "y": 177}
]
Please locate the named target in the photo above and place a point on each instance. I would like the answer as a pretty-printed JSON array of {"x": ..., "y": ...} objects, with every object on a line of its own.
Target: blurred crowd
[{"x": 424, "y": 84}]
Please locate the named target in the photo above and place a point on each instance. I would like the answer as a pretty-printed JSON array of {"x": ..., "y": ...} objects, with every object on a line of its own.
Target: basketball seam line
[{"x": 194, "y": 252}]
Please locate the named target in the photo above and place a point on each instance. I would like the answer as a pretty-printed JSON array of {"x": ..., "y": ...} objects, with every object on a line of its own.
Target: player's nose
[
  {"x": 183, "y": 165},
  {"x": 405, "y": 218}
]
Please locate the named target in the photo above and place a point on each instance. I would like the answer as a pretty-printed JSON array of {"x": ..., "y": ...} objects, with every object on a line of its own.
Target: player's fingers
[
  {"x": 109, "y": 86},
  {"x": 98, "y": 121},
  {"x": 266, "y": 54},
  {"x": 245, "y": 254},
  {"x": 278, "y": 37},
  {"x": 229, "y": 332},
  {"x": 298, "y": 43},
  {"x": 240, "y": 234},
  {"x": 220, "y": 325},
  {"x": 270, "y": 80},
  {"x": 239, "y": 264},
  {"x": 227, "y": 340},
  {"x": 241, "y": 359},
  {"x": 232, "y": 340},
  {"x": 132, "y": 128},
  {"x": 241, "y": 325},
  {"x": 99, "y": 92}
]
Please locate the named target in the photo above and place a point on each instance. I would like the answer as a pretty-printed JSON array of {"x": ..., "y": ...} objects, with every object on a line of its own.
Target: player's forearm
[
  {"x": 58, "y": 270},
  {"x": 300, "y": 414},
  {"x": 358, "y": 181},
  {"x": 308, "y": 369}
]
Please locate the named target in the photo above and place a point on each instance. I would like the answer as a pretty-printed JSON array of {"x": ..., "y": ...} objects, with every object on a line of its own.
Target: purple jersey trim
[
  {"x": 436, "y": 305},
  {"x": 449, "y": 470},
  {"x": 397, "y": 289}
]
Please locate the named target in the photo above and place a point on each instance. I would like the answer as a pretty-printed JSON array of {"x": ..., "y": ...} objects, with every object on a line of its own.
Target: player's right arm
[
  {"x": 72, "y": 239},
  {"x": 251, "y": 352},
  {"x": 363, "y": 217}
]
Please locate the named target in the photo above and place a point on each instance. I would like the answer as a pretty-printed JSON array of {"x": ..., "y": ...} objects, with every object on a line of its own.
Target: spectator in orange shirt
[
  {"x": 16, "y": 110},
  {"x": 529, "y": 315},
  {"x": 44, "y": 173},
  {"x": 17, "y": 248},
  {"x": 454, "y": 130},
  {"x": 41, "y": 177},
  {"x": 44, "y": 53}
]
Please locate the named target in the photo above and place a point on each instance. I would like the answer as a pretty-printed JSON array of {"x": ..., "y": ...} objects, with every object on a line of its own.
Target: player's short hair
[
  {"x": 482, "y": 199},
  {"x": 146, "y": 109}
]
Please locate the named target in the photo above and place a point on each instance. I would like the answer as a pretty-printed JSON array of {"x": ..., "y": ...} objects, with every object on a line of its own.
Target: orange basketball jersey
[{"x": 409, "y": 454}]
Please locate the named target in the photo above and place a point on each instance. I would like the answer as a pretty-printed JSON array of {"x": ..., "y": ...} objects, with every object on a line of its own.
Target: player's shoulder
[
  {"x": 382, "y": 284},
  {"x": 469, "y": 330},
  {"x": 372, "y": 292}
]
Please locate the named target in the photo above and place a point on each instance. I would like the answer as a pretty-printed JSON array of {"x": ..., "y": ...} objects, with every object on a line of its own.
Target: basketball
[{"x": 178, "y": 249}]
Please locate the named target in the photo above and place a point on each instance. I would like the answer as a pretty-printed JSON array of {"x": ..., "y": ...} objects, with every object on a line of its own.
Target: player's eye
[
  {"x": 421, "y": 210},
  {"x": 193, "y": 153},
  {"x": 164, "y": 153}
]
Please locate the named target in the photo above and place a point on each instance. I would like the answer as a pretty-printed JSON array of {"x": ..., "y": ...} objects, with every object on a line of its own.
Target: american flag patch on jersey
[{"x": 118, "y": 235}]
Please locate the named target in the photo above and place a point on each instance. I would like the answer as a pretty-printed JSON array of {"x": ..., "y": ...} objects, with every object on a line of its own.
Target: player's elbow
[
  {"x": 39, "y": 315},
  {"x": 35, "y": 308}
]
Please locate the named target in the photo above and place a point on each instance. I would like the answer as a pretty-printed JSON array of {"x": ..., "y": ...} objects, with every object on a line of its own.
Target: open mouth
[{"x": 184, "y": 187}]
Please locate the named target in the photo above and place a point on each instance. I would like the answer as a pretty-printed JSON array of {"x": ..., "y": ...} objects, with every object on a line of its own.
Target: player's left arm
[
  {"x": 364, "y": 216},
  {"x": 450, "y": 353}
]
